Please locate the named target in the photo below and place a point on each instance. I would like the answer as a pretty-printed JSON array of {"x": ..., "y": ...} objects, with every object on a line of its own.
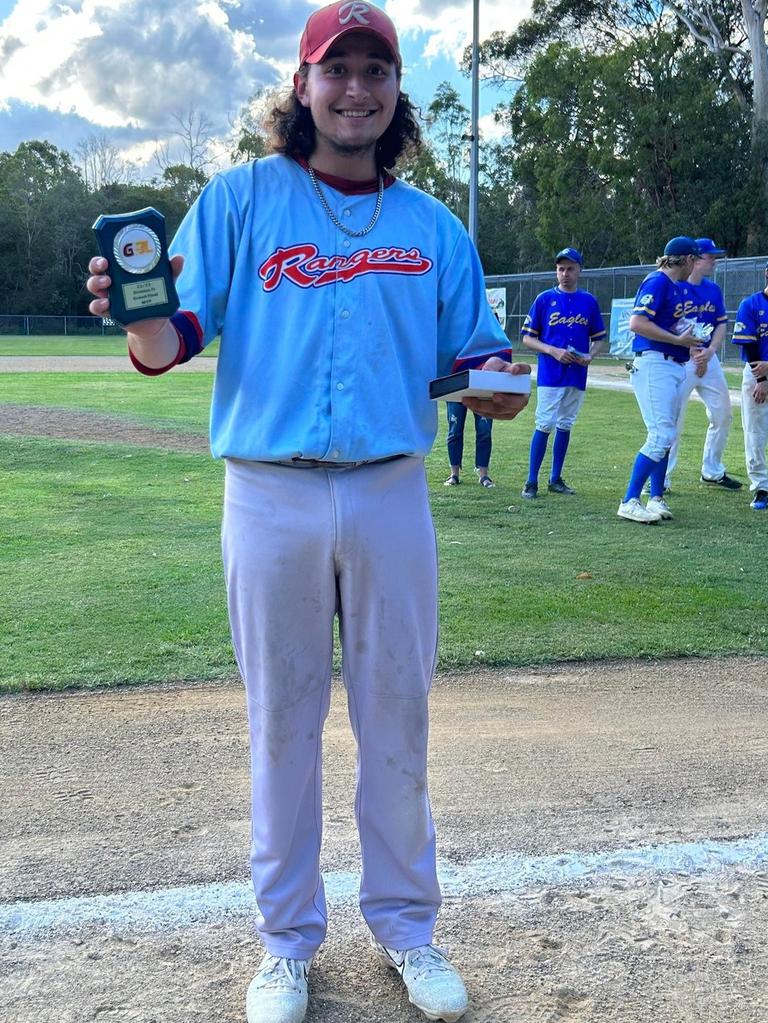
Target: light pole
[{"x": 474, "y": 157}]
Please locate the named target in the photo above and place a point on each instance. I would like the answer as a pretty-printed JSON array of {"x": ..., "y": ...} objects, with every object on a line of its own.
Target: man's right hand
[
  {"x": 99, "y": 282},
  {"x": 563, "y": 355}
]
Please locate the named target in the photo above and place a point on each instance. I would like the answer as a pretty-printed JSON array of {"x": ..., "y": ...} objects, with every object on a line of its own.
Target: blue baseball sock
[
  {"x": 641, "y": 470},
  {"x": 658, "y": 474},
  {"x": 559, "y": 451},
  {"x": 539, "y": 442}
]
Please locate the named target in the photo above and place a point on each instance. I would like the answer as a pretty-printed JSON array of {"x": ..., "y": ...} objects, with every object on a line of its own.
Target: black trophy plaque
[{"x": 142, "y": 283}]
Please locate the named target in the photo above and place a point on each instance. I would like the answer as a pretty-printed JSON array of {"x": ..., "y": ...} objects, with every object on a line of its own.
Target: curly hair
[
  {"x": 670, "y": 262},
  {"x": 292, "y": 130}
]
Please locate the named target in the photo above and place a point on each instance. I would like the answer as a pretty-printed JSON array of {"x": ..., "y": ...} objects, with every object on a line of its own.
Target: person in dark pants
[{"x": 457, "y": 415}]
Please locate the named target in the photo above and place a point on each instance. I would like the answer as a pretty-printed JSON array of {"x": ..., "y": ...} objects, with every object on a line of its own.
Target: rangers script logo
[{"x": 302, "y": 265}]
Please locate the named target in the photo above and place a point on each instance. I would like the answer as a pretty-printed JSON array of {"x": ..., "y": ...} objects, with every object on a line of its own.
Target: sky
[{"x": 70, "y": 69}]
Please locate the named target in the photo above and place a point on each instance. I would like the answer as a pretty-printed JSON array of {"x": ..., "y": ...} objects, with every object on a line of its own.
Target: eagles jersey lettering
[
  {"x": 562, "y": 318},
  {"x": 752, "y": 324},
  {"x": 709, "y": 305},
  {"x": 328, "y": 342},
  {"x": 663, "y": 302}
]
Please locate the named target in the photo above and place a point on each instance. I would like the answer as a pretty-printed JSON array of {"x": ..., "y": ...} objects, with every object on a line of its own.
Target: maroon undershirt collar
[{"x": 345, "y": 185}]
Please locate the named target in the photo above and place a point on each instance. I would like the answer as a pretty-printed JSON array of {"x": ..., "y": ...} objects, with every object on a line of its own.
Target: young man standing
[
  {"x": 750, "y": 332},
  {"x": 703, "y": 372},
  {"x": 565, "y": 327},
  {"x": 664, "y": 342},
  {"x": 338, "y": 293}
]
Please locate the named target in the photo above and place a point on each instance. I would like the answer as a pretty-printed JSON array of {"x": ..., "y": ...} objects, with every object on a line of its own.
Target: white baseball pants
[
  {"x": 713, "y": 390},
  {"x": 300, "y": 546},
  {"x": 657, "y": 383},
  {"x": 754, "y": 419},
  {"x": 557, "y": 407}
]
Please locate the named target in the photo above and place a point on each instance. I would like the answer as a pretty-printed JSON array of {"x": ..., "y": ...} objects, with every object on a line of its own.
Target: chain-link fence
[
  {"x": 56, "y": 326},
  {"x": 737, "y": 278}
]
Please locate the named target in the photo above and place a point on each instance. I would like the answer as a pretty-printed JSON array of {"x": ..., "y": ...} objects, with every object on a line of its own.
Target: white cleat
[
  {"x": 279, "y": 993},
  {"x": 433, "y": 985},
  {"x": 636, "y": 512},
  {"x": 660, "y": 507}
]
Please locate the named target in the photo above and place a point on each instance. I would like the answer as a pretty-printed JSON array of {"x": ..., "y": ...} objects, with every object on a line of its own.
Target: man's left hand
[{"x": 501, "y": 406}]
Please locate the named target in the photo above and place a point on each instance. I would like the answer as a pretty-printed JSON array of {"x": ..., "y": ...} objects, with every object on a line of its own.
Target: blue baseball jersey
[
  {"x": 562, "y": 318},
  {"x": 663, "y": 302},
  {"x": 752, "y": 324},
  {"x": 328, "y": 342},
  {"x": 709, "y": 307}
]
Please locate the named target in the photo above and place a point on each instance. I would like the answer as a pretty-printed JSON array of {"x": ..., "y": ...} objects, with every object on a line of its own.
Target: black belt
[{"x": 672, "y": 358}]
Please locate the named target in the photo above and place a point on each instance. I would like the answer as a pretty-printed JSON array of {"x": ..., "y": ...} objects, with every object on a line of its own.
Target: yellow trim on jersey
[{"x": 643, "y": 310}]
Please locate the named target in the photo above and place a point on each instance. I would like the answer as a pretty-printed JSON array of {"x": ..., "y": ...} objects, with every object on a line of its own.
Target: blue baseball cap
[
  {"x": 708, "y": 248},
  {"x": 573, "y": 254},
  {"x": 682, "y": 245}
]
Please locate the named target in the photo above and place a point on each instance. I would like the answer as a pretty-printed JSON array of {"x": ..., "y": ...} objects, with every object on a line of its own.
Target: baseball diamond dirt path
[{"x": 603, "y": 837}]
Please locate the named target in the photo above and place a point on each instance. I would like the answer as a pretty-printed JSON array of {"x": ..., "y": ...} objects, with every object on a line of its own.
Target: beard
[{"x": 357, "y": 150}]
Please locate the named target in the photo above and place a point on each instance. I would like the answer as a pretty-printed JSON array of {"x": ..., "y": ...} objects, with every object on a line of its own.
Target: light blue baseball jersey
[
  {"x": 663, "y": 302},
  {"x": 751, "y": 324},
  {"x": 328, "y": 343},
  {"x": 562, "y": 318},
  {"x": 709, "y": 307}
]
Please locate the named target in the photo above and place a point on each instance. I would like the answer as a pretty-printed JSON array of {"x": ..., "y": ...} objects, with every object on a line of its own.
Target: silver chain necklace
[{"x": 334, "y": 219}]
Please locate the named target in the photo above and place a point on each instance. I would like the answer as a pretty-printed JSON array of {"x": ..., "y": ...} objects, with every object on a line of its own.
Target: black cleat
[
  {"x": 530, "y": 491},
  {"x": 559, "y": 486},
  {"x": 725, "y": 481}
]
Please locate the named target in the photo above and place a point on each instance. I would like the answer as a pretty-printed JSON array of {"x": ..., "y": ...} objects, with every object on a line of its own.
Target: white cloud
[
  {"x": 490, "y": 129},
  {"x": 71, "y": 67},
  {"x": 448, "y": 25},
  {"x": 134, "y": 61}
]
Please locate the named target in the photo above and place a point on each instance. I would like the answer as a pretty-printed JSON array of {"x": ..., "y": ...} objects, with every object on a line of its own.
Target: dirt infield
[
  {"x": 76, "y": 424},
  {"x": 602, "y": 841}
]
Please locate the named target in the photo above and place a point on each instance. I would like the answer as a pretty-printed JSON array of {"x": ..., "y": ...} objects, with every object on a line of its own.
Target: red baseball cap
[{"x": 328, "y": 24}]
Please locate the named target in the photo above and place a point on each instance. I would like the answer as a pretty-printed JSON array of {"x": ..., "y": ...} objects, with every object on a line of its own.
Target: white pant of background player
[
  {"x": 754, "y": 419},
  {"x": 712, "y": 388},
  {"x": 658, "y": 384},
  {"x": 557, "y": 407}
]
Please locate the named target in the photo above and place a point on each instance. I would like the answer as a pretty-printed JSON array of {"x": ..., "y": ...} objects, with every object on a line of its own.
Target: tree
[
  {"x": 193, "y": 148},
  {"x": 186, "y": 183},
  {"x": 45, "y": 219},
  {"x": 448, "y": 124},
  {"x": 734, "y": 32},
  {"x": 100, "y": 162},
  {"x": 731, "y": 32},
  {"x": 249, "y": 136},
  {"x": 608, "y": 150}
]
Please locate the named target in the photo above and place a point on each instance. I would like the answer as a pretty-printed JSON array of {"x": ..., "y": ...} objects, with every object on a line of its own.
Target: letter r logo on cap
[{"x": 356, "y": 10}]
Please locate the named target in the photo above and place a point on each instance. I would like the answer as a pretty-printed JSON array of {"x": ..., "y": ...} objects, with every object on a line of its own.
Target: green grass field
[
  {"x": 68, "y": 346},
  {"x": 109, "y": 562}
]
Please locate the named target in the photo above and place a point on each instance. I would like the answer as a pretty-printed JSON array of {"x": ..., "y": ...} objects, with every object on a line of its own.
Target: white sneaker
[
  {"x": 636, "y": 512},
  {"x": 433, "y": 985},
  {"x": 279, "y": 992},
  {"x": 660, "y": 506}
]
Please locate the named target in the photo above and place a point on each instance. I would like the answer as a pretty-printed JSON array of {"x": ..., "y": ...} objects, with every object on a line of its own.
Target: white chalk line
[{"x": 176, "y": 908}]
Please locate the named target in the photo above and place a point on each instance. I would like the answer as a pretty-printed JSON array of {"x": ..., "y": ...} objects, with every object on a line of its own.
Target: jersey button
[
  {"x": 347, "y": 213},
  {"x": 345, "y": 314},
  {"x": 339, "y": 386},
  {"x": 335, "y": 454},
  {"x": 346, "y": 243}
]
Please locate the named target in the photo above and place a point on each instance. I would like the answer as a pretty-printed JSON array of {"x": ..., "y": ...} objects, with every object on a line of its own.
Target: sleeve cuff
[
  {"x": 148, "y": 371},
  {"x": 478, "y": 361}
]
